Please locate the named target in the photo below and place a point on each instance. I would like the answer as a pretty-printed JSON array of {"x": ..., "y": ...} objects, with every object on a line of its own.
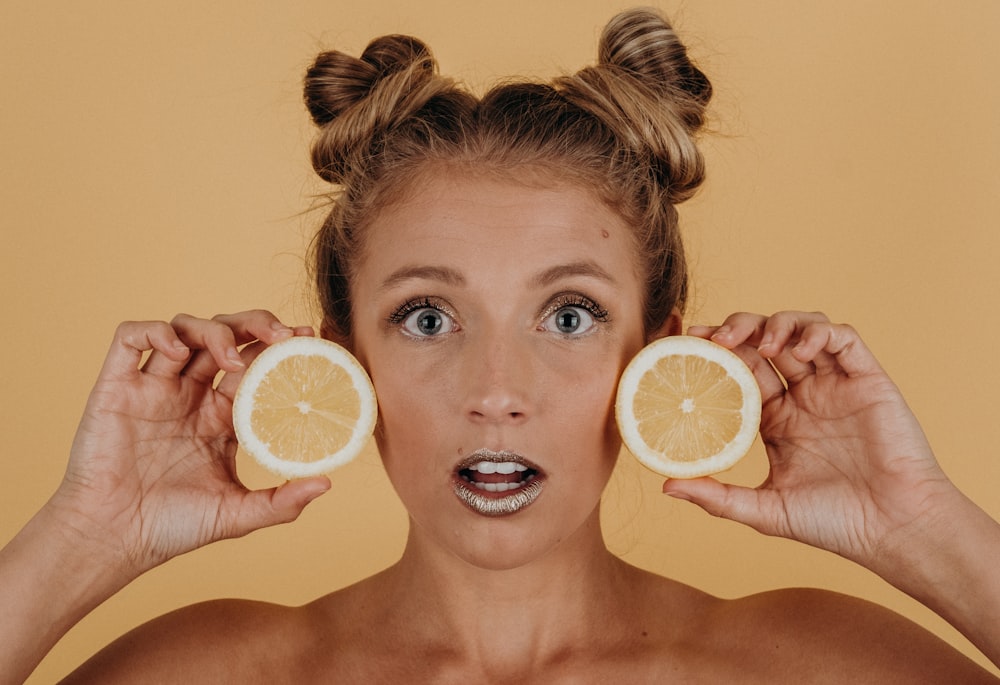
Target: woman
[{"x": 494, "y": 263}]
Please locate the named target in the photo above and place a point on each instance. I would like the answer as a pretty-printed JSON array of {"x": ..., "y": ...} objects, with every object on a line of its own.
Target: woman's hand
[
  {"x": 152, "y": 469},
  {"x": 850, "y": 469}
]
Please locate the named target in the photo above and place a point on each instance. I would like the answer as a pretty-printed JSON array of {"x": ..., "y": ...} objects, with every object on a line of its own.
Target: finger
[
  {"x": 228, "y": 384},
  {"x": 781, "y": 341},
  {"x": 214, "y": 344},
  {"x": 256, "y": 324},
  {"x": 134, "y": 338},
  {"x": 700, "y": 331},
  {"x": 723, "y": 500},
  {"x": 768, "y": 379},
  {"x": 837, "y": 348},
  {"x": 792, "y": 369},
  {"x": 217, "y": 340},
  {"x": 784, "y": 330},
  {"x": 273, "y": 506},
  {"x": 768, "y": 335},
  {"x": 739, "y": 328}
]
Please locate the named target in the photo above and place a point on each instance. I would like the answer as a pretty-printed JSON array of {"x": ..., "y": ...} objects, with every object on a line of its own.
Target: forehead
[{"x": 495, "y": 224}]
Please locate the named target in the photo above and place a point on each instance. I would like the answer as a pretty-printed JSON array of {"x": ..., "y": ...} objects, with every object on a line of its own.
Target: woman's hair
[{"x": 624, "y": 127}]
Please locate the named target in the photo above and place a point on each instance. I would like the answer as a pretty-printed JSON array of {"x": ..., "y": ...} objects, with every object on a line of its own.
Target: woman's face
[{"x": 495, "y": 319}]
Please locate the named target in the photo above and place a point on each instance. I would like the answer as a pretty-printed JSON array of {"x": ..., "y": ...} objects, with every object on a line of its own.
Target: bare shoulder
[
  {"x": 218, "y": 641},
  {"x": 838, "y": 637}
]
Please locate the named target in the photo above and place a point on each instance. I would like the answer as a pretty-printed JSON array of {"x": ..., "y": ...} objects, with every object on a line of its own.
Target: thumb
[
  {"x": 272, "y": 506},
  {"x": 726, "y": 501}
]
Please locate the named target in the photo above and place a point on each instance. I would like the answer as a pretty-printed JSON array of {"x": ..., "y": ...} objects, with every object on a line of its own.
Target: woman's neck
[{"x": 560, "y": 602}]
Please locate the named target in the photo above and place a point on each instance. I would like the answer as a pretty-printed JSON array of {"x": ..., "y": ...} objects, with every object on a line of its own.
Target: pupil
[
  {"x": 568, "y": 321},
  {"x": 429, "y": 323}
]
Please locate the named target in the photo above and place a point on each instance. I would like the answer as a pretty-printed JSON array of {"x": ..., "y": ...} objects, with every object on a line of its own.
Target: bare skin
[
  {"x": 533, "y": 596},
  {"x": 638, "y": 628}
]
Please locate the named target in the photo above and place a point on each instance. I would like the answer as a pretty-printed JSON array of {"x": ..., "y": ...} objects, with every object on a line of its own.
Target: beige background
[{"x": 153, "y": 159}]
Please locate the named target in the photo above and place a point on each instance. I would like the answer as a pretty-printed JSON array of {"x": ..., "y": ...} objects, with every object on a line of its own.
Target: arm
[
  {"x": 951, "y": 563},
  {"x": 851, "y": 472},
  {"x": 49, "y": 580},
  {"x": 151, "y": 475}
]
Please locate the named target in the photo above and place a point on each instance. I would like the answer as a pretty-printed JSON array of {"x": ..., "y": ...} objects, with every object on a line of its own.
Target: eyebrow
[
  {"x": 562, "y": 271},
  {"x": 451, "y": 276},
  {"x": 432, "y": 273}
]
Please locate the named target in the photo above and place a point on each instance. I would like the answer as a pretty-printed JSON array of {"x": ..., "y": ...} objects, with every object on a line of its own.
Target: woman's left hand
[{"x": 850, "y": 468}]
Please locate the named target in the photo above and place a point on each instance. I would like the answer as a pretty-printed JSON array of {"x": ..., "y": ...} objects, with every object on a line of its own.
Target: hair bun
[
  {"x": 392, "y": 54},
  {"x": 357, "y": 101},
  {"x": 642, "y": 43},
  {"x": 648, "y": 93},
  {"x": 336, "y": 81}
]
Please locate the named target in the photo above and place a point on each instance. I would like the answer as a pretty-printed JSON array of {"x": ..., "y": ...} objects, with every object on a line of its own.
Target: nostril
[
  {"x": 494, "y": 393},
  {"x": 514, "y": 416},
  {"x": 496, "y": 409}
]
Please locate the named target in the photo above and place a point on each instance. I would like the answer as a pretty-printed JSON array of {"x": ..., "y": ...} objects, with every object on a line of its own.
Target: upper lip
[{"x": 496, "y": 457}]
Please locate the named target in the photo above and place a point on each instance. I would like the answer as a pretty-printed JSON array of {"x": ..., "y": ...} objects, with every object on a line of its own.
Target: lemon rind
[
  {"x": 735, "y": 367},
  {"x": 255, "y": 374}
]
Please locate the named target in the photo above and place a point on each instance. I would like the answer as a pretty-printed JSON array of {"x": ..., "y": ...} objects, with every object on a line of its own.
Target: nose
[{"x": 498, "y": 378}]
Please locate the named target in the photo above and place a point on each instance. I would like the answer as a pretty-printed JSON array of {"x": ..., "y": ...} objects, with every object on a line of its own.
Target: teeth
[
  {"x": 498, "y": 487},
  {"x": 504, "y": 467}
]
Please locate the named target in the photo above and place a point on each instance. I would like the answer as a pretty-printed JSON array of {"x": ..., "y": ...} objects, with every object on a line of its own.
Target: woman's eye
[
  {"x": 569, "y": 321},
  {"x": 427, "y": 322}
]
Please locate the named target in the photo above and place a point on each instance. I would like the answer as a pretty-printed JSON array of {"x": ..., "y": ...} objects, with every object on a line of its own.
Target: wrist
[
  {"x": 85, "y": 560},
  {"x": 80, "y": 543},
  {"x": 947, "y": 559},
  {"x": 920, "y": 547},
  {"x": 50, "y": 578}
]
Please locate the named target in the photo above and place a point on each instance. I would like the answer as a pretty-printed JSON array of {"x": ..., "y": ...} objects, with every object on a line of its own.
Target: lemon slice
[
  {"x": 304, "y": 407},
  {"x": 687, "y": 407}
]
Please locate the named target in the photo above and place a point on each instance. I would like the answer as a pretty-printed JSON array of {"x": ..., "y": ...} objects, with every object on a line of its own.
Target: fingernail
[
  {"x": 181, "y": 347},
  {"x": 678, "y": 495},
  {"x": 314, "y": 495},
  {"x": 280, "y": 329},
  {"x": 233, "y": 355},
  {"x": 722, "y": 332}
]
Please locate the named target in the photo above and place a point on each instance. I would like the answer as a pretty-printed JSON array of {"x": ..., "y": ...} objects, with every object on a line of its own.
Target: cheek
[
  {"x": 582, "y": 399},
  {"x": 412, "y": 408}
]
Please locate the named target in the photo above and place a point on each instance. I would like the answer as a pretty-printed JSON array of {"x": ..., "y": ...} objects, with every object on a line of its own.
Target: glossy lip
[{"x": 497, "y": 503}]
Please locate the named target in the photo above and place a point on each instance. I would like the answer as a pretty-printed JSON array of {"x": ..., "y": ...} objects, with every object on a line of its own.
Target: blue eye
[
  {"x": 427, "y": 322},
  {"x": 573, "y": 315},
  {"x": 569, "y": 321}
]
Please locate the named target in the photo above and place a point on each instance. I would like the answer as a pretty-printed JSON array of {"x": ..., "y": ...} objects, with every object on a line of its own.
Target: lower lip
[{"x": 497, "y": 503}]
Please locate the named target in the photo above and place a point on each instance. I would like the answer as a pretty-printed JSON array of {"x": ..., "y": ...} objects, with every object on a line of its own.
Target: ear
[{"x": 672, "y": 325}]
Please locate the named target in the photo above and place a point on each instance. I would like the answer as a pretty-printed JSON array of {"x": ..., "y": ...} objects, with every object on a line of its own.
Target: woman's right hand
[{"x": 152, "y": 469}]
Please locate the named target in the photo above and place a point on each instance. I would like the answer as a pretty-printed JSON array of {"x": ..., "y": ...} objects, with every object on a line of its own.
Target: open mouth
[{"x": 497, "y": 483}]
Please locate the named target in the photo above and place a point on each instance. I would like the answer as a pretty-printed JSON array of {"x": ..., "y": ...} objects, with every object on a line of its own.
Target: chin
[{"x": 501, "y": 554}]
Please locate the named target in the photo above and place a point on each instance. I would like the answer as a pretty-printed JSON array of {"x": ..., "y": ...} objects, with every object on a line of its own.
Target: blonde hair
[{"x": 624, "y": 127}]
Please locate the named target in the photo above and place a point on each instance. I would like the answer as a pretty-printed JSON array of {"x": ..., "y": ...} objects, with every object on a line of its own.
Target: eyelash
[
  {"x": 402, "y": 311},
  {"x": 561, "y": 301},
  {"x": 577, "y": 300}
]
